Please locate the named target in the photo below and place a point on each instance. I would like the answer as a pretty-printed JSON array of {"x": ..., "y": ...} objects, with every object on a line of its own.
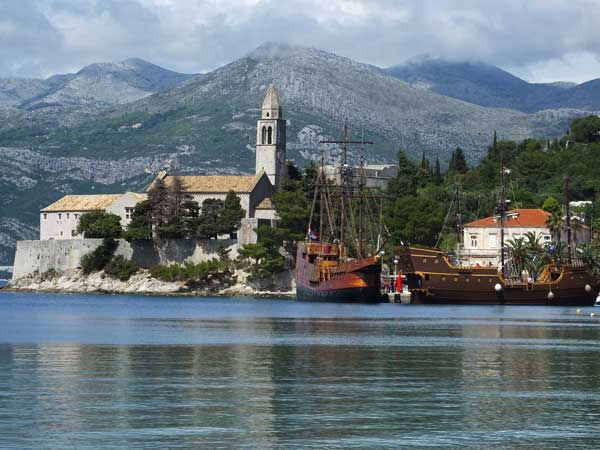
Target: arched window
[
  {"x": 270, "y": 135},
  {"x": 263, "y": 138}
]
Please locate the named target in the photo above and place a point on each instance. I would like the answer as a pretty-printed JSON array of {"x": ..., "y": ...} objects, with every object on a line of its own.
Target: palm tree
[
  {"x": 575, "y": 228},
  {"x": 590, "y": 255},
  {"x": 519, "y": 255},
  {"x": 533, "y": 241},
  {"x": 555, "y": 224}
]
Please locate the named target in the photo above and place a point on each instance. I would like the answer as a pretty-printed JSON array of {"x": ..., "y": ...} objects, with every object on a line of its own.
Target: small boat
[{"x": 340, "y": 260}]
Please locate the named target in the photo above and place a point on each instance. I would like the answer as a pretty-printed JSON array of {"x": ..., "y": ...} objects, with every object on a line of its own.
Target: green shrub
[
  {"x": 189, "y": 272},
  {"x": 99, "y": 258},
  {"x": 50, "y": 274},
  {"x": 120, "y": 268}
]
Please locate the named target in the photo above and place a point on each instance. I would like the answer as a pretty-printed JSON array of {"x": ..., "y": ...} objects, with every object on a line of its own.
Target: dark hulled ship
[
  {"x": 339, "y": 260},
  {"x": 434, "y": 276}
]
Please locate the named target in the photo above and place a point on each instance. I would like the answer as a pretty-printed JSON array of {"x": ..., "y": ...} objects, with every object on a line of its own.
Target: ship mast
[
  {"x": 459, "y": 228},
  {"x": 501, "y": 209},
  {"x": 345, "y": 177},
  {"x": 566, "y": 180}
]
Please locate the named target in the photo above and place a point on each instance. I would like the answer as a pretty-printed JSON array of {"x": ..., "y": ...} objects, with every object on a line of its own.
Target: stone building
[
  {"x": 271, "y": 139},
  {"x": 60, "y": 219},
  {"x": 376, "y": 175},
  {"x": 270, "y": 167},
  {"x": 481, "y": 237},
  {"x": 252, "y": 190}
]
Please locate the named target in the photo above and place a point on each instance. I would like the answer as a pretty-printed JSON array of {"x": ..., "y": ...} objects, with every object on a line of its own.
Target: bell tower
[{"x": 270, "y": 139}]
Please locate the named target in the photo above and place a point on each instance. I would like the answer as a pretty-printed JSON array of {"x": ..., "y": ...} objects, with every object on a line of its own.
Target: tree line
[{"x": 169, "y": 212}]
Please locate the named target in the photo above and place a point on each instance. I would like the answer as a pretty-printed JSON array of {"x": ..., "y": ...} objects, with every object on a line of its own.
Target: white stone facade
[
  {"x": 271, "y": 139},
  {"x": 482, "y": 239},
  {"x": 60, "y": 220},
  {"x": 482, "y": 244}
]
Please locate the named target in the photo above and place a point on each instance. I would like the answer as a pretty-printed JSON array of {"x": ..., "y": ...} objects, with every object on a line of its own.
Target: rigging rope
[{"x": 437, "y": 243}]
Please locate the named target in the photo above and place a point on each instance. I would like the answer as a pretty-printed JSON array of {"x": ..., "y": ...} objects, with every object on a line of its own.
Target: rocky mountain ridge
[
  {"x": 96, "y": 85},
  {"x": 60, "y": 143},
  {"x": 489, "y": 86}
]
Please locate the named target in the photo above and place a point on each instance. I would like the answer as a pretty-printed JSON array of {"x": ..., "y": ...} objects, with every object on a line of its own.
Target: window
[
  {"x": 473, "y": 241},
  {"x": 270, "y": 135},
  {"x": 67, "y": 215},
  {"x": 73, "y": 233},
  {"x": 547, "y": 238},
  {"x": 76, "y": 216},
  {"x": 267, "y": 114},
  {"x": 263, "y": 135},
  {"x": 45, "y": 216},
  {"x": 61, "y": 233},
  {"x": 128, "y": 212},
  {"x": 59, "y": 216},
  {"x": 492, "y": 243}
]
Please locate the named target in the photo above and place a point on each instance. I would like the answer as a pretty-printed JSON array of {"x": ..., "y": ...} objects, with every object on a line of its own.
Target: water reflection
[{"x": 286, "y": 378}]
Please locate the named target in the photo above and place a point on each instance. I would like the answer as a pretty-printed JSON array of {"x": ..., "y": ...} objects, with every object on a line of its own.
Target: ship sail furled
[{"x": 339, "y": 260}]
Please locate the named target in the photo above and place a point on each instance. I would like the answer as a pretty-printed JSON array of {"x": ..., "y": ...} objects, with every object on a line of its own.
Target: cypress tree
[
  {"x": 458, "y": 163},
  {"x": 437, "y": 173}
]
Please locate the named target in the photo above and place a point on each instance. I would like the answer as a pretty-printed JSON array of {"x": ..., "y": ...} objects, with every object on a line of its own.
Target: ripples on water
[{"x": 116, "y": 372}]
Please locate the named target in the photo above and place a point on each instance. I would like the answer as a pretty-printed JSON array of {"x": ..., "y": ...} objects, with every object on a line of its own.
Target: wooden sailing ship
[
  {"x": 339, "y": 260},
  {"x": 434, "y": 276}
]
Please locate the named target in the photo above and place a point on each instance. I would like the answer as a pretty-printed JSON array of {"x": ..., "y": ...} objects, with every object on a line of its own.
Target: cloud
[{"x": 538, "y": 39}]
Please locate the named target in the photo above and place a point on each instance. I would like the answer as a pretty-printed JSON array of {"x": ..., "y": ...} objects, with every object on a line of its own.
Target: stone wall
[{"x": 62, "y": 255}]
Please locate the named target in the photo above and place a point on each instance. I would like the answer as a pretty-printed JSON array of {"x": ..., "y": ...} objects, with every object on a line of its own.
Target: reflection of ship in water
[{"x": 339, "y": 259}]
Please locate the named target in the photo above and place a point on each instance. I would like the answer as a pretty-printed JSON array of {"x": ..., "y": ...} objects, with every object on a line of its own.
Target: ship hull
[
  {"x": 354, "y": 282},
  {"x": 432, "y": 279},
  {"x": 509, "y": 296},
  {"x": 342, "y": 295}
]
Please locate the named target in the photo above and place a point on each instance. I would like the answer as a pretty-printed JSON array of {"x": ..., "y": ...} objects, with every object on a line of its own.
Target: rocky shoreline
[{"x": 142, "y": 283}]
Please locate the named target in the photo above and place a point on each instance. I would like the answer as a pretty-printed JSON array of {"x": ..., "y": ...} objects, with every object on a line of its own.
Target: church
[{"x": 59, "y": 220}]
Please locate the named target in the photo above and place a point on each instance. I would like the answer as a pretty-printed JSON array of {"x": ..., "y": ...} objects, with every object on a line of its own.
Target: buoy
[
  {"x": 592, "y": 314},
  {"x": 550, "y": 295},
  {"x": 588, "y": 288},
  {"x": 578, "y": 311},
  {"x": 498, "y": 288}
]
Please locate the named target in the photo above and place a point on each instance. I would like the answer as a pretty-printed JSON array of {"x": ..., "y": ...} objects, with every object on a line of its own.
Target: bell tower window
[
  {"x": 267, "y": 114},
  {"x": 263, "y": 138},
  {"x": 270, "y": 135}
]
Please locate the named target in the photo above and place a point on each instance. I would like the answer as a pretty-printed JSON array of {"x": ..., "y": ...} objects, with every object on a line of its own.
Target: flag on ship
[{"x": 313, "y": 235}]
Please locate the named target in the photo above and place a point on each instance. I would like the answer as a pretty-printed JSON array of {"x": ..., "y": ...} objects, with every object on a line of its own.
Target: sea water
[{"x": 125, "y": 372}]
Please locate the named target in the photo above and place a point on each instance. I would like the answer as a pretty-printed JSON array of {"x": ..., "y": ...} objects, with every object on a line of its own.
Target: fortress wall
[{"x": 62, "y": 255}]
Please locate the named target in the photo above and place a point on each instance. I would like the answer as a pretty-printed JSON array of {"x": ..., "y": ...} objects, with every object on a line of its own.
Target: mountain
[
  {"x": 207, "y": 125},
  {"x": 488, "y": 85},
  {"x": 96, "y": 85}
]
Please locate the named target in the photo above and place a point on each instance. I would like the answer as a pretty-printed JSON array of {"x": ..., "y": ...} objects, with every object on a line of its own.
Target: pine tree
[
  {"x": 208, "y": 222},
  {"x": 232, "y": 214},
  {"x": 406, "y": 181},
  {"x": 158, "y": 196},
  {"x": 458, "y": 163}
]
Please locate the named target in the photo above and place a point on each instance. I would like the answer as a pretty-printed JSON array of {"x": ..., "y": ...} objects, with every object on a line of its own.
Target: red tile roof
[{"x": 526, "y": 218}]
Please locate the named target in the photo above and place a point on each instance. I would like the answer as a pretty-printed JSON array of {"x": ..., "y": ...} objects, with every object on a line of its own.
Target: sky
[{"x": 538, "y": 40}]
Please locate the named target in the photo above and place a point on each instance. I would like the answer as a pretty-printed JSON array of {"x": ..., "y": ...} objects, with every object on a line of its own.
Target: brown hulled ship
[
  {"x": 339, "y": 260},
  {"x": 324, "y": 274},
  {"x": 434, "y": 276}
]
